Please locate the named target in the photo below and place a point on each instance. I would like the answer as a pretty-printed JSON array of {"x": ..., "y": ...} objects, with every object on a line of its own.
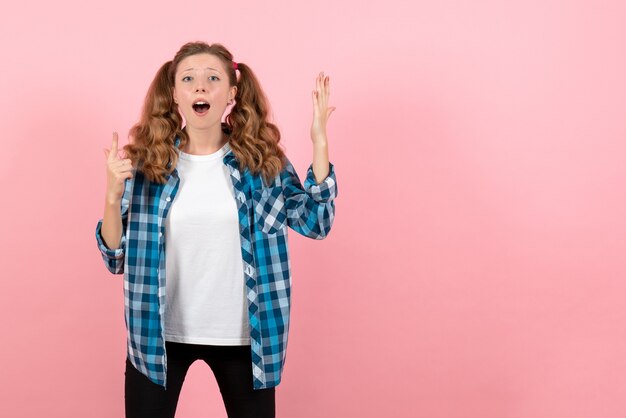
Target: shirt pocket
[{"x": 269, "y": 208}]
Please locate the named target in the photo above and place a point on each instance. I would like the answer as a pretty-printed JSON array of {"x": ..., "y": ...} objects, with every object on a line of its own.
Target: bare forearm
[
  {"x": 320, "y": 160},
  {"x": 112, "y": 224}
]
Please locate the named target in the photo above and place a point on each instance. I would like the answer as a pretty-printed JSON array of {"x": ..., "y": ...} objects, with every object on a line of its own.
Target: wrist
[
  {"x": 112, "y": 201},
  {"x": 320, "y": 142}
]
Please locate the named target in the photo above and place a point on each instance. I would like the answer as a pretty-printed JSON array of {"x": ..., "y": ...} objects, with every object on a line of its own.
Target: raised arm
[
  {"x": 311, "y": 208},
  {"x": 110, "y": 230}
]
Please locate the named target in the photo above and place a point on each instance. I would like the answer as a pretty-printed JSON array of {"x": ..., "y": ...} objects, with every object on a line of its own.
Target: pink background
[{"x": 476, "y": 265}]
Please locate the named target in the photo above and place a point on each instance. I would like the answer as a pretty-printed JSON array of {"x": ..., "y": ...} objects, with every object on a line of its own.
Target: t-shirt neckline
[{"x": 205, "y": 157}]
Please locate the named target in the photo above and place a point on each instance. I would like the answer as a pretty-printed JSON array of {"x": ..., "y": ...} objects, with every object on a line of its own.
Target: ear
[
  {"x": 174, "y": 95},
  {"x": 233, "y": 91}
]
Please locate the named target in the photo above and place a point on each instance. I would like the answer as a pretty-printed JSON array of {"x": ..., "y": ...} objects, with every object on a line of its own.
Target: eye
[
  {"x": 187, "y": 78},
  {"x": 215, "y": 77}
]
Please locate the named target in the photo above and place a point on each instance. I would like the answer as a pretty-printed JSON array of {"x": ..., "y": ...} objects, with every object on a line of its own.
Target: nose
[{"x": 200, "y": 86}]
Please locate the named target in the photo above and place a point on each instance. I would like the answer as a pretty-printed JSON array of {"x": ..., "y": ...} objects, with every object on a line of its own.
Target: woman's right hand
[{"x": 118, "y": 170}]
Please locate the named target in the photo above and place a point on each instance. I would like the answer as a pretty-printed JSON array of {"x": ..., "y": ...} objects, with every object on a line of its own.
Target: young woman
[{"x": 217, "y": 198}]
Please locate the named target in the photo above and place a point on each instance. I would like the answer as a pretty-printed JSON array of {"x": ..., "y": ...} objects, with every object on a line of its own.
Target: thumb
[{"x": 106, "y": 152}]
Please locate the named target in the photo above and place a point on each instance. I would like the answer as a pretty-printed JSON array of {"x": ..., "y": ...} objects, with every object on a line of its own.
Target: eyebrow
[{"x": 207, "y": 68}]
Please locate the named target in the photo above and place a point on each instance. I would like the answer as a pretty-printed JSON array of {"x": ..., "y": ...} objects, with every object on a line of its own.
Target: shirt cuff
[
  {"x": 106, "y": 251},
  {"x": 324, "y": 191}
]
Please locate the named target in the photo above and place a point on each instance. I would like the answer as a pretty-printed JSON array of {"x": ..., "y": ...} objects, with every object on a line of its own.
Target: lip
[{"x": 200, "y": 99}]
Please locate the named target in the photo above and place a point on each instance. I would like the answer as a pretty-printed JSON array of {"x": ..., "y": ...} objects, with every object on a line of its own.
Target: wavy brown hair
[{"x": 253, "y": 138}]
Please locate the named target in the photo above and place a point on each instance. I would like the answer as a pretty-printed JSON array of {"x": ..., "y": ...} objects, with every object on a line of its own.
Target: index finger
[{"x": 113, "y": 152}]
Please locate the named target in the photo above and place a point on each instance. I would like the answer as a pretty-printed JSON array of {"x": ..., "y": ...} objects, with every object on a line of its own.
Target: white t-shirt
[{"x": 206, "y": 301}]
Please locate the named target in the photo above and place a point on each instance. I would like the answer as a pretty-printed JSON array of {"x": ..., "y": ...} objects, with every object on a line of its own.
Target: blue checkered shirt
[{"x": 264, "y": 213}]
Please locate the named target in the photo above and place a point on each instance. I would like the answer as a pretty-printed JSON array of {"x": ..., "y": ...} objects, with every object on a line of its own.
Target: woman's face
[{"x": 201, "y": 90}]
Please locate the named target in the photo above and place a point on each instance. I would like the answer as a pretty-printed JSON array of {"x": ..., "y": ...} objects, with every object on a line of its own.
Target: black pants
[{"x": 232, "y": 367}]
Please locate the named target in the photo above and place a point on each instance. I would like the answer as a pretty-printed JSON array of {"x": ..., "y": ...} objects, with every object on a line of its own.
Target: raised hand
[
  {"x": 321, "y": 111},
  {"x": 118, "y": 170}
]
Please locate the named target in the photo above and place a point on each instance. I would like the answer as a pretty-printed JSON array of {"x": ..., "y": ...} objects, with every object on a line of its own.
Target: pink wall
[{"x": 476, "y": 265}]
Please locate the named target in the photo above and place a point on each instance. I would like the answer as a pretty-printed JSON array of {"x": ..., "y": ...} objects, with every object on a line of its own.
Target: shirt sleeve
[
  {"x": 114, "y": 258},
  {"x": 310, "y": 208}
]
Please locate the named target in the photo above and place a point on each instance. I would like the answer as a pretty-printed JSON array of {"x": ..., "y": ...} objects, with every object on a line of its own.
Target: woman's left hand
[{"x": 321, "y": 111}]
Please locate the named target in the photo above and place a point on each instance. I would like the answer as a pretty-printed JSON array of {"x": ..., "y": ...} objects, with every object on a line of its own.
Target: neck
[{"x": 205, "y": 141}]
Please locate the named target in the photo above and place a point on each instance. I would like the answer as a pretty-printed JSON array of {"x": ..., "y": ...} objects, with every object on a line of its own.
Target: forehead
[{"x": 200, "y": 62}]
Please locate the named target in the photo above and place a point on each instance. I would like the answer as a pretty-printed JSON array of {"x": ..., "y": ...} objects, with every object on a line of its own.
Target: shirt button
[
  {"x": 160, "y": 234},
  {"x": 168, "y": 199}
]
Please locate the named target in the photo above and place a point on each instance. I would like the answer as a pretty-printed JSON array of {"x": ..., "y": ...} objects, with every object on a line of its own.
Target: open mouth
[{"x": 201, "y": 107}]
